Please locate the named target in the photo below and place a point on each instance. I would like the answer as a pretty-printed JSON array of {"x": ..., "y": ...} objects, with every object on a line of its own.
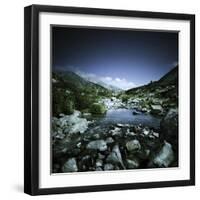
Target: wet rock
[
  {"x": 132, "y": 163},
  {"x": 78, "y": 145},
  {"x": 156, "y": 109},
  {"x": 135, "y": 112},
  {"x": 120, "y": 125},
  {"x": 165, "y": 157},
  {"x": 98, "y": 169},
  {"x": 97, "y": 145},
  {"x": 70, "y": 124},
  {"x": 116, "y": 131},
  {"x": 96, "y": 136},
  {"x": 100, "y": 156},
  {"x": 99, "y": 163},
  {"x": 146, "y": 131},
  {"x": 169, "y": 128},
  {"x": 144, "y": 110},
  {"x": 108, "y": 167},
  {"x": 70, "y": 166},
  {"x": 133, "y": 145},
  {"x": 115, "y": 156},
  {"x": 130, "y": 133},
  {"x": 87, "y": 114},
  {"x": 155, "y": 134},
  {"x": 109, "y": 140}
]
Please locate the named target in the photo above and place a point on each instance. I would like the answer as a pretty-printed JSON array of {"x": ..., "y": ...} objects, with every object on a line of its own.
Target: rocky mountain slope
[
  {"x": 156, "y": 97},
  {"x": 71, "y": 92}
]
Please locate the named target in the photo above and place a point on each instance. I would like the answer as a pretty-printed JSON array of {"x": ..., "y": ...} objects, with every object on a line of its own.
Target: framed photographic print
[{"x": 109, "y": 100}]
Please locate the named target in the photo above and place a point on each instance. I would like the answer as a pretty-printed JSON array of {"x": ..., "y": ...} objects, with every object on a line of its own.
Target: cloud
[{"x": 118, "y": 82}]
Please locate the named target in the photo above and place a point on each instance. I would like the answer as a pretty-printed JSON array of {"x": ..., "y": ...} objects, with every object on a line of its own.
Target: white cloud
[
  {"x": 121, "y": 83},
  {"x": 118, "y": 82}
]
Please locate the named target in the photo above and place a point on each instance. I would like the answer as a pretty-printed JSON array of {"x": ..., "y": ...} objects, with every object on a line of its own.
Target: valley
[{"x": 98, "y": 129}]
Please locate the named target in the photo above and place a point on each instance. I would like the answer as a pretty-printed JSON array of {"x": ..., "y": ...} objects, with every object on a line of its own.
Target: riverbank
[{"x": 82, "y": 145}]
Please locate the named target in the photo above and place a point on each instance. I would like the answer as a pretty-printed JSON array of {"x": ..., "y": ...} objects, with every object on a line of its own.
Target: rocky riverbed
[{"x": 87, "y": 144}]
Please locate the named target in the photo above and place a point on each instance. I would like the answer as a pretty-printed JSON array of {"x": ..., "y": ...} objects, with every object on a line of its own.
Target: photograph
[{"x": 114, "y": 99}]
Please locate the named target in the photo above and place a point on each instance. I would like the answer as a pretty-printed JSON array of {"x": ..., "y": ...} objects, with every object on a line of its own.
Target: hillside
[
  {"x": 171, "y": 78},
  {"x": 156, "y": 97},
  {"x": 70, "y": 91}
]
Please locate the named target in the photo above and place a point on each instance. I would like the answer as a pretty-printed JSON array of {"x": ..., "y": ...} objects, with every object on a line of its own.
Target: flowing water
[{"x": 126, "y": 116}]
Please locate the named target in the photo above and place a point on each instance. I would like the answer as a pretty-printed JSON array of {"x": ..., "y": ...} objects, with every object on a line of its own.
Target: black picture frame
[{"x": 31, "y": 99}]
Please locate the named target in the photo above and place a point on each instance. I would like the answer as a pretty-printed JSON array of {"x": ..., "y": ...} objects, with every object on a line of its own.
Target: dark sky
[{"x": 133, "y": 56}]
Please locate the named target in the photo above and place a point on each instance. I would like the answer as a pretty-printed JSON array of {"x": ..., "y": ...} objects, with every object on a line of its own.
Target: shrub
[
  {"x": 97, "y": 109},
  {"x": 62, "y": 102}
]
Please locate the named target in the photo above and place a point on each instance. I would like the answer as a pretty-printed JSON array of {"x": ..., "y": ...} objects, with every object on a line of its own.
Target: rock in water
[
  {"x": 115, "y": 157},
  {"x": 135, "y": 112},
  {"x": 156, "y": 109},
  {"x": 97, "y": 145},
  {"x": 70, "y": 166},
  {"x": 165, "y": 157},
  {"x": 169, "y": 128},
  {"x": 133, "y": 145}
]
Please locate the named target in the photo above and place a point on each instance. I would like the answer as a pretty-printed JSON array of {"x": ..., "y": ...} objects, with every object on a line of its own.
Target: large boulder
[
  {"x": 156, "y": 109},
  {"x": 115, "y": 157},
  {"x": 69, "y": 124},
  {"x": 169, "y": 128},
  {"x": 70, "y": 166},
  {"x": 165, "y": 156},
  {"x": 100, "y": 145},
  {"x": 133, "y": 145}
]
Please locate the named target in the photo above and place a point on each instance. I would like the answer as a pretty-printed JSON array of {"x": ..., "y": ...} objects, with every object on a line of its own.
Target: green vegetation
[
  {"x": 71, "y": 92},
  {"x": 97, "y": 109}
]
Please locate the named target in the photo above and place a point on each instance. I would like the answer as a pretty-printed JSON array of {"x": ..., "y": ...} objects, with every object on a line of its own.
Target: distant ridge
[{"x": 170, "y": 78}]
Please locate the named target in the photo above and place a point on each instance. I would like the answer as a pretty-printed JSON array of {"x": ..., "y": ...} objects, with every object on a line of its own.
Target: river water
[{"x": 126, "y": 116}]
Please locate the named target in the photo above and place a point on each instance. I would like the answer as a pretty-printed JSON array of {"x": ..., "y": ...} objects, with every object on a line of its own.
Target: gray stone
[
  {"x": 98, "y": 169},
  {"x": 70, "y": 166},
  {"x": 133, "y": 145},
  {"x": 156, "y": 109},
  {"x": 109, "y": 140},
  {"x": 130, "y": 133},
  {"x": 116, "y": 131},
  {"x": 165, "y": 157},
  {"x": 108, "y": 167},
  {"x": 169, "y": 128},
  {"x": 97, "y": 145},
  {"x": 146, "y": 131},
  {"x": 155, "y": 134},
  {"x": 99, "y": 163},
  {"x": 115, "y": 156},
  {"x": 132, "y": 163}
]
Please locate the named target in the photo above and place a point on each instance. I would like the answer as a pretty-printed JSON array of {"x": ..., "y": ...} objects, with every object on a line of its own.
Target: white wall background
[{"x": 11, "y": 99}]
